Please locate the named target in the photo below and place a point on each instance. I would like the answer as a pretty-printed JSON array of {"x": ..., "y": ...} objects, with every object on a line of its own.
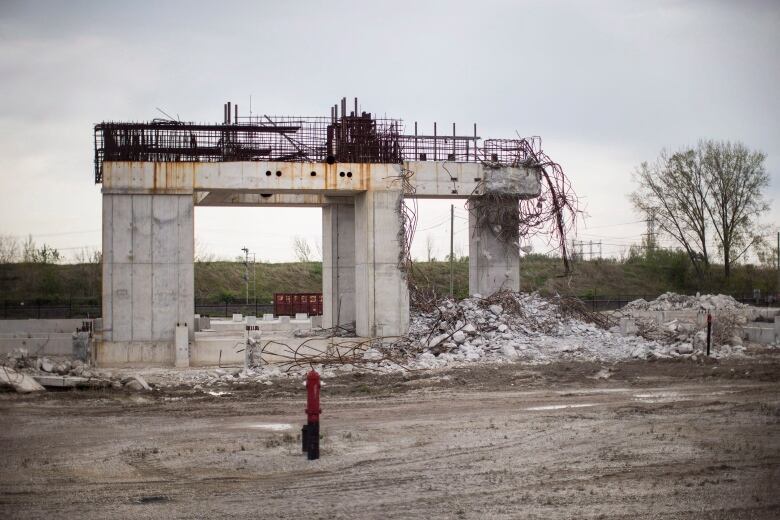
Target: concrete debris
[
  {"x": 531, "y": 328},
  {"x": 67, "y": 381},
  {"x": 63, "y": 368},
  {"x": 19, "y": 381},
  {"x": 46, "y": 365},
  {"x": 506, "y": 327},
  {"x": 136, "y": 383},
  {"x": 673, "y": 301}
]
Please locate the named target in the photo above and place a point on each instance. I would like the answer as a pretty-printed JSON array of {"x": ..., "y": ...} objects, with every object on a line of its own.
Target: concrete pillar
[
  {"x": 493, "y": 264},
  {"x": 338, "y": 264},
  {"x": 148, "y": 276},
  {"x": 381, "y": 293}
]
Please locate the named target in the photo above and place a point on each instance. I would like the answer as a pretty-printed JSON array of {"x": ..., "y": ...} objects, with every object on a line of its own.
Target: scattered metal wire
[
  {"x": 553, "y": 213},
  {"x": 306, "y": 355}
]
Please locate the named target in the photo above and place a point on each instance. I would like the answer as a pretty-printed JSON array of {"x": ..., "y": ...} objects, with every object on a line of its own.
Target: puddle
[
  {"x": 595, "y": 391},
  {"x": 274, "y": 427},
  {"x": 661, "y": 397},
  {"x": 558, "y": 407}
]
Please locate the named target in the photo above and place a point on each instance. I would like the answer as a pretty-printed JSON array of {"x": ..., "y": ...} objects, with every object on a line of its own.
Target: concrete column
[
  {"x": 493, "y": 264},
  {"x": 381, "y": 293},
  {"x": 148, "y": 276},
  {"x": 338, "y": 264}
]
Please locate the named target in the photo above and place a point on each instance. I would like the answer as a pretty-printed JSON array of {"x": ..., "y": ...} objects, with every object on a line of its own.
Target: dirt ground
[{"x": 651, "y": 440}]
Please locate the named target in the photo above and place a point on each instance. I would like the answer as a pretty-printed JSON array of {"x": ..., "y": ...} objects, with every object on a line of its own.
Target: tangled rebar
[{"x": 553, "y": 213}]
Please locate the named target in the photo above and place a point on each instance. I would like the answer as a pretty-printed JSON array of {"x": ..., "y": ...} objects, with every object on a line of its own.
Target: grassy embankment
[{"x": 220, "y": 281}]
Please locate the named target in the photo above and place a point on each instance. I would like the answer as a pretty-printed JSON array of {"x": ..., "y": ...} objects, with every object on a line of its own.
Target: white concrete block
[
  {"x": 182, "y": 346},
  {"x": 238, "y": 317}
]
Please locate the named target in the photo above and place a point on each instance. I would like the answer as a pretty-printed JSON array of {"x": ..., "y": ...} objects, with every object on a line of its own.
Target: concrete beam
[
  {"x": 236, "y": 198},
  {"x": 427, "y": 179}
]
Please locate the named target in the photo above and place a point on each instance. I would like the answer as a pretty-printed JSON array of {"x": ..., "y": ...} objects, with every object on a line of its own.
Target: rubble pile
[
  {"x": 502, "y": 328},
  {"x": 672, "y": 302},
  {"x": 20, "y": 371},
  {"x": 531, "y": 328},
  {"x": 729, "y": 315}
]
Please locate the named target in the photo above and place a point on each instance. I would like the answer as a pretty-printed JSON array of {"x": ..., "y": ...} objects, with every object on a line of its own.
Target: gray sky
[{"x": 606, "y": 84}]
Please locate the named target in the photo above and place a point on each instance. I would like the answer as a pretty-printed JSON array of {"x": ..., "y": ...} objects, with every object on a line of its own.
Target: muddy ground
[{"x": 651, "y": 440}]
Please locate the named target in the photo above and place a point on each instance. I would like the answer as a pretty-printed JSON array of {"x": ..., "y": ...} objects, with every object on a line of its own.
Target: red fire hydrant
[{"x": 310, "y": 433}]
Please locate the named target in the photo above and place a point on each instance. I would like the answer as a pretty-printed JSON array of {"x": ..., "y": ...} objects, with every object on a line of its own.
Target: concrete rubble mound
[
  {"x": 531, "y": 328},
  {"x": 672, "y": 301}
]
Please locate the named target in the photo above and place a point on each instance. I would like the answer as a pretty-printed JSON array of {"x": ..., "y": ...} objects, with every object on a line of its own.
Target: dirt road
[{"x": 653, "y": 440}]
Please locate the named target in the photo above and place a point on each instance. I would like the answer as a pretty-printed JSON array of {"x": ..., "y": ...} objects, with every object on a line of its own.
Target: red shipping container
[{"x": 290, "y": 304}]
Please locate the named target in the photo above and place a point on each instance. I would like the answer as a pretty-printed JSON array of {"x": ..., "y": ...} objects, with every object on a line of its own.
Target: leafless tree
[
  {"x": 674, "y": 191},
  {"x": 302, "y": 249},
  {"x": 29, "y": 250},
  {"x": 9, "y": 249},
  {"x": 429, "y": 245},
  {"x": 89, "y": 256},
  {"x": 737, "y": 178},
  {"x": 45, "y": 254},
  {"x": 318, "y": 248},
  {"x": 202, "y": 254}
]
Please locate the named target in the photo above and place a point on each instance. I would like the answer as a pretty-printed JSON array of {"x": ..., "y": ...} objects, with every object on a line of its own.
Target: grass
[{"x": 220, "y": 281}]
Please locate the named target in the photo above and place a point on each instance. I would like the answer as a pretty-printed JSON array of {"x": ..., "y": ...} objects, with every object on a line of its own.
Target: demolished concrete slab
[{"x": 18, "y": 381}]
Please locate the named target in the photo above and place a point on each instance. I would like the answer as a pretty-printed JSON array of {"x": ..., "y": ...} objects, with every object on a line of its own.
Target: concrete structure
[
  {"x": 493, "y": 264},
  {"x": 338, "y": 263},
  {"x": 356, "y": 167},
  {"x": 148, "y": 211},
  {"x": 148, "y": 271},
  {"x": 52, "y": 337}
]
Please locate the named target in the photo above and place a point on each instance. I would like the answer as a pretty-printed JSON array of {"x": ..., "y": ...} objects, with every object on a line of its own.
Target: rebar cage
[{"x": 354, "y": 137}]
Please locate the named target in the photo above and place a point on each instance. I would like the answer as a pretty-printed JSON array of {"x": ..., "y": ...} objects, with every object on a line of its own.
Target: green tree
[{"x": 736, "y": 177}]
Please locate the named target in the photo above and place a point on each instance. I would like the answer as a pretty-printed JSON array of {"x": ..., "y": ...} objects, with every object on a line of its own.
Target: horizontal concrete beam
[
  {"x": 427, "y": 179},
  {"x": 237, "y": 198}
]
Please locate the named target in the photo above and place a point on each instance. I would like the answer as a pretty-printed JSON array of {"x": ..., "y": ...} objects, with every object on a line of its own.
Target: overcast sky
[{"x": 606, "y": 84}]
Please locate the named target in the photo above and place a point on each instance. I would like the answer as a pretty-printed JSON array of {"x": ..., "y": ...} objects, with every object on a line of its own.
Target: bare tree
[
  {"x": 202, "y": 254},
  {"x": 737, "y": 178},
  {"x": 89, "y": 256},
  {"x": 674, "y": 191},
  {"x": 318, "y": 248},
  {"x": 45, "y": 254},
  {"x": 429, "y": 245},
  {"x": 29, "y": 249},
  {"x": 302, "y": 249},
  {"x": 9, "y": 249}
]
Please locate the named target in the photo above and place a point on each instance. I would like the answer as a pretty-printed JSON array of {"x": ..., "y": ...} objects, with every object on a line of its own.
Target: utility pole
[
  {"x": 246, "y": 271},
  {"x": 452, "y": 239},
  {"x": 777, "y": 289}
]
